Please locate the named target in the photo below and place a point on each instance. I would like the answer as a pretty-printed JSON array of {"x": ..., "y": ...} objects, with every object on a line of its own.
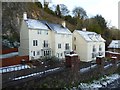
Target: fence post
[
  {"x": 100, "y": 62},
  {"x": 114, "y": 62}
]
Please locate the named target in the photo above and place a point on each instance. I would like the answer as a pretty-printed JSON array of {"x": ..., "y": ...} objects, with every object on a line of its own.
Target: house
[
  {"x": 61, "y": 39},
  {"x": 114, "y": 46},
  {"x": 88, "y": 45},
  {"x": 39, "y": 38}
]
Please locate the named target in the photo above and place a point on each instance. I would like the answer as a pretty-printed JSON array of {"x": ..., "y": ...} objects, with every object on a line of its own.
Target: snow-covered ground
[
  {"x": 13, "y": 68},
  {"x": 87, "y": 68},
  {"x": 96, "y": 84},
  {"x": 8, "y": 55},
  {"x": 38, "y": 73},
  {"x": 107, "y": 66},
  {"x": 93, "y": 66}
]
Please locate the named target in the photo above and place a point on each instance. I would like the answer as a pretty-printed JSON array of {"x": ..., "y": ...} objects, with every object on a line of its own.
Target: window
[
  {"x": 93, "y": 55},
  {"x": 61, "y": 54},
  {"x": 39, "y": 31},
  {"x": 38, "y": 52},
  {"x": 59, "y": 45},
  {"x": 100, "y": 53},
  {"x": 35, "y": 42},
  {"x": 47, "y": 53},
  {"x": 58, "y": 54},
  {"x": 44, "y": 54},
  {"x": 67, "y": 46},
  {"x": 45, "y": 44},
  {"x": 33, "y": 53},
  {"x": 94, "y": 49},
  {"x": 74, "y": 47},
  {"x": 100, "y": 48}
]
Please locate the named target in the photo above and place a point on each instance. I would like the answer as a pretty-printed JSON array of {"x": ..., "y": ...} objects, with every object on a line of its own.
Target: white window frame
[
  {"x": 38, "y": 52},
  {"x": 67, "y": 46},
  {"x": 34, "y": 53},
  {"x": 59, "y": 45},
  {"x": 39, "y": 31},
  {"x": 35, "y": 42},
  {"x": 61, "y": 54}
]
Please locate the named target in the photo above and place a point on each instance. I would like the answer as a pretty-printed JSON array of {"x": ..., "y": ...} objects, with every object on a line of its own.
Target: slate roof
[
  {"x": 42, "y": 24},
  {"x": 90, "y": 36},
  {"x": 59, "y": 28},
  {"x": 36, "y": 24},
  {"x": 114, "y": 44}
]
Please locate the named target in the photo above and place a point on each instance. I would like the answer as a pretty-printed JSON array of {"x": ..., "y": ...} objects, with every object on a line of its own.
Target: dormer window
[{"x": 91, "y": 36}]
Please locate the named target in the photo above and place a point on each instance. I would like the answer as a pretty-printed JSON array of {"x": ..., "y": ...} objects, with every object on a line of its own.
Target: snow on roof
[
  {"x": 90, "y": 36},
  {"x": 36, "y": 24},
  {"x": 112, "y": 52},
  {"x": 42, "y": 24},
  {"x": 59, "y": 28},
  {"x": 113, "y": 57},
  {"x": 114, "y": 44},
  {"x": 71, "y": 55},
  {"x": 100, "y": 56}
]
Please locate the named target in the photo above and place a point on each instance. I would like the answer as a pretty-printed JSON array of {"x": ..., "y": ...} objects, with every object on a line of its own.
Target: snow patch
[
  {"x": 88, "y": 68},
  {"x": 13, "y": 68}
]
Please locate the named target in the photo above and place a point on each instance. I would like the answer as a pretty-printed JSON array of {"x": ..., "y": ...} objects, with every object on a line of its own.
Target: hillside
[{"x": 13, "y": 14}]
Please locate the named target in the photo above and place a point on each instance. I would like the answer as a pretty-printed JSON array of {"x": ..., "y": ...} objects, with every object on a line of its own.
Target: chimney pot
[
  {"x": 25, "y": 16},
  {"x": 84, "y": 29},
  {"x": 64, "y": 24}
]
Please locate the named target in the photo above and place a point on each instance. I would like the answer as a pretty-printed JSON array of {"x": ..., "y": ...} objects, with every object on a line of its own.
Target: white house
[
  {"x": 39, "y": 38},
  {"x": 114, "y": 46},
  {"x": 88, "y": 45}
]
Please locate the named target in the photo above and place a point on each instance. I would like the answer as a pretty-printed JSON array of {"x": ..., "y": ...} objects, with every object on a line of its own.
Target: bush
[{"x": 50, "y": 60}]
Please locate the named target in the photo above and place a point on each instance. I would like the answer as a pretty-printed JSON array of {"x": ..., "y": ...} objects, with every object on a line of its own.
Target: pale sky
[{"x": 107, "y": 8}]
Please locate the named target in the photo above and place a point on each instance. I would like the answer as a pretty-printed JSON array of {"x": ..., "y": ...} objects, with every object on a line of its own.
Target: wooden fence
[
  {"x": 13, "y": 60},
  {"x": 112, "y": 54},
  {"x": 9, "y": 50},
  {"x": 10, "y": 77}
]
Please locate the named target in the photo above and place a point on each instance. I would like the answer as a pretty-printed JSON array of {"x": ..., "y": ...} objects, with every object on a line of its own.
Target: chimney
[
  {"x": 84, "y": 29},
  {"x": 99, "y": 35},
  {"x": 64, "y": 24},
  {"x": 25, "y": 16}
]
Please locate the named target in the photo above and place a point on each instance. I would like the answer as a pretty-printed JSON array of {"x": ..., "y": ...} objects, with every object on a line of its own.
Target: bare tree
[
  {"x": 64, "y": 10},
  {"x": 79, "y": 12}
]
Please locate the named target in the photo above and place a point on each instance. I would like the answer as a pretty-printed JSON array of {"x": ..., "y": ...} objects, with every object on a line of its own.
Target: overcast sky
[{"x": 107, "y": 8}]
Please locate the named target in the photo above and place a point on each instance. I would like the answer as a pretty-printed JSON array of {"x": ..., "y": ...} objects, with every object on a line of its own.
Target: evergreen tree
[{"x": 57, "y": 11}]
